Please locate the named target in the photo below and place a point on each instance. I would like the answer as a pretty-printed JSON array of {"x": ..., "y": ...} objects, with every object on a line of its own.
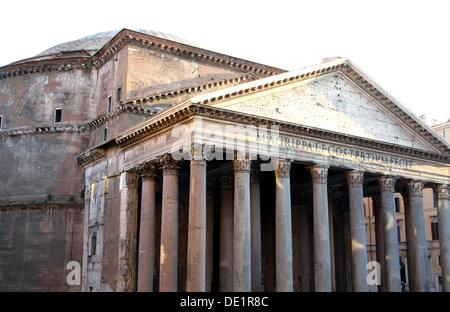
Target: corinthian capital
[
  {"x": 241, "y": 163},
  {"x": 283, "y": 168},
  {"x": 147, "y": 171},
  {"x": 387, "y": 183},
  {"x": 169, "y": 165},
  {"x": 415, "y": 188},
  {"x": 197, "y": 151},
  {"x": 355, "y": 178},
  {"x": 441, "y": 192},
  {"x": 319, "y": 173}
]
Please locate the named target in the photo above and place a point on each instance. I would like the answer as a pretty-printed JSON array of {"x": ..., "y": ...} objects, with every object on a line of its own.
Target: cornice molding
[
  {"x": 42, "y": 66},
  {"x": 44, "y": 130},
  {"x": 192, "y": 89},
  {"x": 148, "y": 41},
  {"x": 348, "y": 70},
  {"x": 123, "y": 108},
  {"x": 187, "y": 110},
  {"x": 89, "y": 156},
  {"x": 394, "y": 108}
]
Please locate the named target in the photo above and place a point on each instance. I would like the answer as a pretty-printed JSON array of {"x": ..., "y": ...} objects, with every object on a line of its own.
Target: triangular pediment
[{"x": 334, "y": 96}]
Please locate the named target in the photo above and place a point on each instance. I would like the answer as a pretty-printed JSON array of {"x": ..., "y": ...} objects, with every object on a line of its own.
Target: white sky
[{"x": 403, "y": 45}]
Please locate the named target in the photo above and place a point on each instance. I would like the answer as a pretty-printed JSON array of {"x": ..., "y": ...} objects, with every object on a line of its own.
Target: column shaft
[
  {"x": 283, "y": 228},
  {"x": 255, "y": 217},
  {"x": 226, "y": 235},
  {"x": 147, "y": 231},
  {"x": 168, "y": 270},
  {"x": 127, "y": 231},
  {"x": 358, "y": 231},
  {"x": 393, "y": 282},
  {"x": 379, "y": 242},
  {"x": 442, "y": 195},
  {"x": 417, "y": 235},
  {"x": 322, "y": 263},
  {"x": 209, "y": 236},
  {"x": 196, "y": 262},
  {"x": 242, "y": 242}
]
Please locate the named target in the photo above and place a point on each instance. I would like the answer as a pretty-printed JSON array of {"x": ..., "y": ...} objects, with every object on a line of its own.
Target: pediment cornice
[
  {"x": 348, "y": 70},
  {"x": 148, "y": 41}
]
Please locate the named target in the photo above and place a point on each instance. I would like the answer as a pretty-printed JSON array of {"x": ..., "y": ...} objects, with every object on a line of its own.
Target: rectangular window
[
  {"x": 119, "y": 94},
  {"x": 1, "y": 122},
  {"x": 445, "y": 134},
  {"x": 58, "y": 114},
  {"x": 434, "y": 231},
  {"x": 397, "y": 204},
  {"x": 105, "y": 134},
  {"x": 109, "y": 104}
]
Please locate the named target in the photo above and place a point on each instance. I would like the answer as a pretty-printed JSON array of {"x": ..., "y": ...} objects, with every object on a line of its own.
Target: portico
[{"x": 266, "y": 173}]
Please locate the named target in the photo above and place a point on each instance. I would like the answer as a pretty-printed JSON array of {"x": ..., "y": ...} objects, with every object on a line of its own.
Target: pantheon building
[{"x": 139, "y": 161}]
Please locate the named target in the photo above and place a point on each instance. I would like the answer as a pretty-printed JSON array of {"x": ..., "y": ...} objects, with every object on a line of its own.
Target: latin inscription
[{"x": 327, "y": 149}]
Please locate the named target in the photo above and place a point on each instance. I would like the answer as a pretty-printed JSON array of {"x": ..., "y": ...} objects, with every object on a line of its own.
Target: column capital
[
  {"x": 355, "y": 178},
  {"x": 169, "y": 165},
  {"x": 387, "y": 183},
  {"x": 441, "y": 191},
  {"x": 241, "y": 163},
  {"x": 415, "y": 188},
  {"x": 147, "y": 171},
  {"x": 197, "y": 152},
  {"x": 226, "y": 182},
  {"x": 319, "y": 173},
  {"x": 283, "y": 168}
]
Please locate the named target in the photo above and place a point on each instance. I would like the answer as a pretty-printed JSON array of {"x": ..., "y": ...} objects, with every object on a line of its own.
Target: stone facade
[{"x": 198, "y": 171}]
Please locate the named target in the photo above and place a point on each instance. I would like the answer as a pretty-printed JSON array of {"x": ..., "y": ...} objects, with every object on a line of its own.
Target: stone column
[
  {"x": 379, "y": 242},
  {"x": 242, "y": 242},
  {"x": 168, "y": 268},
  {"x": 196, "y": 258},
  {"x": 283, "y": 227},
  {"x": 393, "y": 282},
  {"x": 127, "y": 231},
  {"x": 415, "y": 230},
  {"x": 147, "y": 229},
  {"x": 358, "y": 231},
  {"x": 255, "y": 217},
  {"x": 209, "y": 235},
  {"x": 322, "y": 262},
  {"x": 226, "y": 235},
  {"x": 442, "y": 196},
  {"x": 305, "y": 250}
]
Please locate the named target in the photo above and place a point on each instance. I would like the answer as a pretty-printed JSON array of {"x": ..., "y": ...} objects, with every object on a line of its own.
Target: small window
[
  {"x": 434, "y": 231},
  {"x": 445, "y": 134},
  {"x": 109, "y": 104},
  {"x": 397, "y": 204},
  {"x": 1, "y": 122},
  {"x": 105, "y": 134},
  {"x": 58, "y": 114},
  {"x": 119, "y": 94}
]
